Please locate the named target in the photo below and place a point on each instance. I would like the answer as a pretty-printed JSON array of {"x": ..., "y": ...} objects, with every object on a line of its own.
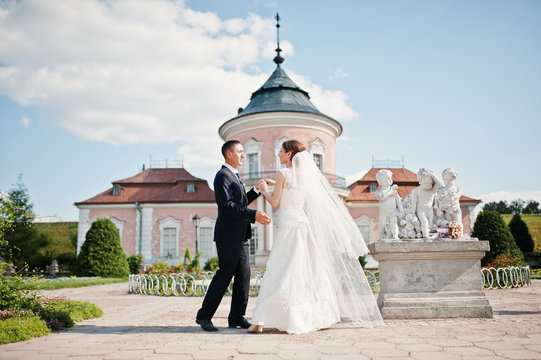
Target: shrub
[
  {"x": 159, "y": 268},
  {"x": 521, "y": 234},
  {"x": 102, "y": 254},
  {"x": 507, "y": 260},
  {"x": 212, "y": 264},
  {"x": 134, "y": 261},
  {"x": 490, "y": 226},
  {"x": 194, "y": 266},
  {"x": 21, "y": 328},
  {"x": 187, "y": 256},
  {"x": 12, "y": 295}
]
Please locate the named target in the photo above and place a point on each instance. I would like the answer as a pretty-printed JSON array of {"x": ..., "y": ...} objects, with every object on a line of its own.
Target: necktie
[{"x": 238, "y": 176}]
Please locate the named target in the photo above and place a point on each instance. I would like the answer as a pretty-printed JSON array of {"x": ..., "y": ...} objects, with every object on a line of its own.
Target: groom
[{"x": 231, "y": 233}]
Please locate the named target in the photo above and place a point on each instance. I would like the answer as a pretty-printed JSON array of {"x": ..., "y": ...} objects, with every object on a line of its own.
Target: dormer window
[
  {"x": 116, "y": 190},
  {"x": 373, "y": 188},
  {"x": 191, "y": 188}
]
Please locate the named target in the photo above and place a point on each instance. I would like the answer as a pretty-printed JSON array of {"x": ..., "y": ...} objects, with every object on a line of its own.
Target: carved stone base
[{"x": 431, "y": 279}]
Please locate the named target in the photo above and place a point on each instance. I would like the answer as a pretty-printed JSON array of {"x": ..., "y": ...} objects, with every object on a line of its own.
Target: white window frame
[
  {"x": 317, "y": 147},
  {"x": 169, "y": 222},
  {"x": 277, "y": 146},
  {"x": 206, "y": 222},
  {"x": 251, "y": 147}
]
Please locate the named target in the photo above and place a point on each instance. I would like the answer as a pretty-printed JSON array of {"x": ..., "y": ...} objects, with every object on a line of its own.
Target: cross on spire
[{"x": 278, "y": 59}]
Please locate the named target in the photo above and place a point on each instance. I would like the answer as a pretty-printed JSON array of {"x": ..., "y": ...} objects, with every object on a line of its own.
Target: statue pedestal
[{"x": 431, "y": 279}]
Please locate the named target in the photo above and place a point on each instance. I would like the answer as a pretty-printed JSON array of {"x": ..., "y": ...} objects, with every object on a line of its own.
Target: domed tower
[{"x": 278, "y": 111}]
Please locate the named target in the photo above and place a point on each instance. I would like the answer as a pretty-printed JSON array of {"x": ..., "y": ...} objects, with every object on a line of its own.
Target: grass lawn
[
  {"x": 61, "y": 283},
  {"x": 534, "y": 225}
]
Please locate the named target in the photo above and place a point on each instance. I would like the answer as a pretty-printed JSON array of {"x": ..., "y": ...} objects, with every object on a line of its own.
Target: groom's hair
[{"x": 228, "y": 145}]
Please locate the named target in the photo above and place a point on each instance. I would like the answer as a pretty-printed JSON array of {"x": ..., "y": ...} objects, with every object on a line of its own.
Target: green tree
[
  {"x": 500, "y": 207},
  {"x": 521, "y": 234},
  {"x": 23, "y": 241},
  {"x": 516, "y": 206},
  {"x": 101, "y": 253},
  {"x": 532, "y": 207},
  {"x": 490, "y": 226}
]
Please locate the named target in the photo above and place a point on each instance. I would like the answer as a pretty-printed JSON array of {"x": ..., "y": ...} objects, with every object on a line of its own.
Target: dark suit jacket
[{"x": 234, "y": 217}]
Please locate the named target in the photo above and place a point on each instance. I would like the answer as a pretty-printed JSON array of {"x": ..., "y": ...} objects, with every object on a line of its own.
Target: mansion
[{"x": 162, "y": 211}]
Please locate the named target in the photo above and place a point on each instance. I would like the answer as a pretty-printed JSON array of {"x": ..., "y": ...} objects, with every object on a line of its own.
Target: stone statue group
[{"x": 429, "y": 207}]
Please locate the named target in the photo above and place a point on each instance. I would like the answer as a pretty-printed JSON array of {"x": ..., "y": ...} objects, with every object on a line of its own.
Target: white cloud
[
  {"x": 135, "y": 71},
  {"x": 25, "y": 121},
  {"x": 339, "y": 73}
]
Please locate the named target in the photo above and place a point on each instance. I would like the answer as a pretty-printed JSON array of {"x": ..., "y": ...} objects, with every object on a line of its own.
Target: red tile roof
[
  {"x": 156, "y": 186},
  {"x": 405, "y": 179}
]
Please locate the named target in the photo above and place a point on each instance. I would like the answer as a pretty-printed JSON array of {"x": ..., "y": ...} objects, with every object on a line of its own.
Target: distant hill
[
  {"x": 61, "y": 234},
  {"x": 534, "y": 225}
]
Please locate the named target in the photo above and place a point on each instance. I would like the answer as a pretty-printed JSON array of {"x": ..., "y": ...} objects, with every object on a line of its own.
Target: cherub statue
[
  {"x": 447, "y": 200},
  {"x": 410, "y": 227},
  {"x": 390, "y": 205},
  {"x": 423, "y": 198}
]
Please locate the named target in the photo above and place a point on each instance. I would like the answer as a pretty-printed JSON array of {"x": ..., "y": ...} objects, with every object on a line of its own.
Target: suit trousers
[{"x": 234, "y": 261}]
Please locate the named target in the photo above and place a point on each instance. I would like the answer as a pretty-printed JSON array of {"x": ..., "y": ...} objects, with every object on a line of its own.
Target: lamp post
[{"x": 196, "y": 220}]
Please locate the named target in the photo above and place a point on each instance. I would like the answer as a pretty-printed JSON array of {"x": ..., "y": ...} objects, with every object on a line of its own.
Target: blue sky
[{"x": 89, "y": 90}]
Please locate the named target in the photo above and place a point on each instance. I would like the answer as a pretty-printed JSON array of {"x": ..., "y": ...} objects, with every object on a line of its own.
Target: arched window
[{"x": 169, "y": 237}]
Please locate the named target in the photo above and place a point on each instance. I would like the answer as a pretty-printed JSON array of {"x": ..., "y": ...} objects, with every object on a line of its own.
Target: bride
[{"x": 313, "y": 277}]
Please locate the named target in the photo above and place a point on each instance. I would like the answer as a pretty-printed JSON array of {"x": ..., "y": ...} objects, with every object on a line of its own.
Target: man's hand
[{"x": 262, "y": 218}]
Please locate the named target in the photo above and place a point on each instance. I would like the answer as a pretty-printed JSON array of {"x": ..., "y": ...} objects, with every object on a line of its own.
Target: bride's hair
[{"x": 294, "y": 146}]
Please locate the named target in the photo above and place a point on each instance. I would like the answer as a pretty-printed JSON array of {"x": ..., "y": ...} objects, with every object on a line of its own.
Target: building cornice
[
  {"x": 147, "y": 205},
  {"x": 251, "y": 122}
]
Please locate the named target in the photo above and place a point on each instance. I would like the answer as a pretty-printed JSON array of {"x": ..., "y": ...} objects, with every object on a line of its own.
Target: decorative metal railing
[
  {"x": 197, "y": 284},
  {"x": 506, "y": 277}
]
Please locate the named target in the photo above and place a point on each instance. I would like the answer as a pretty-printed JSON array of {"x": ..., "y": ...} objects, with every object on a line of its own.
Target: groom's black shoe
[
  {"x": 206, "y": 325},
  {"x": 243, "y": 323}
]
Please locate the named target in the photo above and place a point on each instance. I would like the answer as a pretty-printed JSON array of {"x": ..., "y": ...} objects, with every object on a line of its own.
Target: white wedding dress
[{"x": 313, "y": 277}]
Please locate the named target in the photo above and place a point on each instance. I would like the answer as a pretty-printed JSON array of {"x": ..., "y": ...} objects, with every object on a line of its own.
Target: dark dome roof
[{"x": 279, "y": 93}]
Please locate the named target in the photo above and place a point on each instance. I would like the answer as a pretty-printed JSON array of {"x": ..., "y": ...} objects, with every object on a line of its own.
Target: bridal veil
[{"x": 339, "y": 239}]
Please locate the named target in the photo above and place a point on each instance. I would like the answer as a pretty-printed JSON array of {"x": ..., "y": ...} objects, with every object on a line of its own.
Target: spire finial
[{"x": 278, "y": 59}]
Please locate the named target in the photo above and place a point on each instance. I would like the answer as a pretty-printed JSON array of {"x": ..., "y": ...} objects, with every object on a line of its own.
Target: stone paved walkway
[{"x": 152, "y": 327}]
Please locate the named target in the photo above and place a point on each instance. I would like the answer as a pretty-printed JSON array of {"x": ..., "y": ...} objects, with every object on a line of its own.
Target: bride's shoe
[{"x": 256, "y": 329}]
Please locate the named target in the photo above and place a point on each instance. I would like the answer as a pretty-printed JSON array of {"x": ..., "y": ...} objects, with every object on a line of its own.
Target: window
[
  {"x": 253, "y": 166},
  {"x": 373, "y": 188},
  {"x": 191, "y": 188},
  {"x": 116, "y": 190},
  {"x": 318, "y": 159},
  {"x": 206, "y": 245},
  {"x": 253, "y": 245},
  {"x": 169, "y": 242}
]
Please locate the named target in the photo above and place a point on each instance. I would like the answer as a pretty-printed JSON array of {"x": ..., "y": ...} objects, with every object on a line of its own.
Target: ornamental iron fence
[
  {"x": 506, "y": 277},
  {"x": 197, "y": 284}
]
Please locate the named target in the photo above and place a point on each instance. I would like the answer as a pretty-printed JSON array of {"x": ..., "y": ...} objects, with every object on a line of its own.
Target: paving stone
[
  {"x": 433, "y": 355},
  {"x": 335, "y": 350},
  {"x": 129, "y": 354},
  {"x": 384, "y": 352},
  {"x": 419, "y": 347},
  {"x": 345, "y": 357},
  {"x": 467, "y": 351},
  {"x": 299, "y": 354},
  {"x": 375, "y": 345},
  {"x": 533, "y": 347},
  {"x": 258, "y": 349},
  {"x": 449, "y": 342},
  {"x": 499, "y": 345},
  {"x": 169, "y": 357},
  {"x": 518, "y": 354},
  {"x": 256, "y": 357},
  {"x": 225, "y": 354},
  {"x": 297, "y": 346},
  {"x": 176, "y": 349}
]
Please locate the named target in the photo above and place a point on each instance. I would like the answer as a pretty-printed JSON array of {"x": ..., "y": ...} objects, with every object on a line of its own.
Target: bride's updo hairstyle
[{"x": 294, "y": 146}]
